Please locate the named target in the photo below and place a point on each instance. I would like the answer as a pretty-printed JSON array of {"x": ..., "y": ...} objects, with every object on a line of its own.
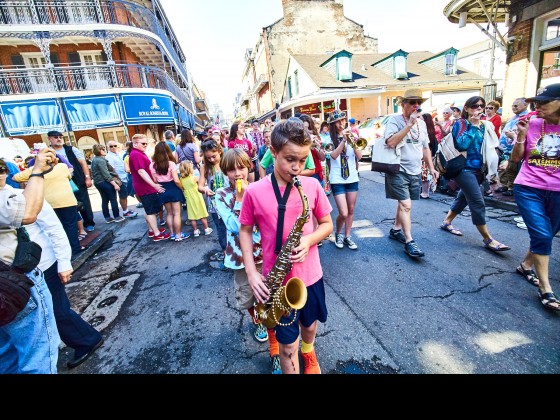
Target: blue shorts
[
  {"x": 339, "y": 189},
  {"x": 315, "y": 309},
  {"x": 152, "y": 204}
]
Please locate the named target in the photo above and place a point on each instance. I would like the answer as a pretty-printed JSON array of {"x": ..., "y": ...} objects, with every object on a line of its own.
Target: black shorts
[{"x": 152, "y": 204}]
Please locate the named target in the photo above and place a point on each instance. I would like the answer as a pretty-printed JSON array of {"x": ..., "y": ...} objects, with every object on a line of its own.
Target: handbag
[
  {"x": 15, "y": 292},
  {"x": 28, "y": 253},
  {"x": 113, "y": 173},
  {"x": 384, "y": 159},
  {"x": 449, "y": 161},
  {"x": 74, "y": 186}
]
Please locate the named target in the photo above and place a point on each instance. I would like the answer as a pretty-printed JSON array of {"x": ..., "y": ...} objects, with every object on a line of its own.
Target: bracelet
[
  {"x": 32, "y": 175},
  {"x": 519, "y": 142}
]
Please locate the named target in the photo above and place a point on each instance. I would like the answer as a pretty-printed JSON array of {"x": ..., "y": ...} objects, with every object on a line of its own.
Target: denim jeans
[
  {"x": 108, "y": 194},
  {"x": 29, "y": 344},
  {"x": 221, "y": 230},
  {"x": 539, "y": 209},
  {"x": 68, "y": 217}
]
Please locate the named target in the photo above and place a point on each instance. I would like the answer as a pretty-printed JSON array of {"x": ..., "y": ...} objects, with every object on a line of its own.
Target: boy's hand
[
  {"x": 260, "y": 291},
  {"x": 300, "y": 253}
]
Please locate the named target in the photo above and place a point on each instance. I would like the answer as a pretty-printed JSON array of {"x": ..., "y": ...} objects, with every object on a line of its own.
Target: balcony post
[
  {"x": 43, "y": 41},
  {"x": 100, "y": 18},
  {"x": 34, "y": 15},
  {"x": 107, "y": 43}
]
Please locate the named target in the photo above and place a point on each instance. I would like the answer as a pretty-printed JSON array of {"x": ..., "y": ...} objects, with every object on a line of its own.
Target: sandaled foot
[
  {"x": 549, "y": 301},
  {"x": 495, "y": 246},
  {"x": 449, "y": 228},
  {"x": 529, "y": 275}
]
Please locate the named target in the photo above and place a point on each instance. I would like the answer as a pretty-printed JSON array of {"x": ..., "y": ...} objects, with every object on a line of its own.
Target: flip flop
[
  {"x": 449, "y": 228},
  {"x": 497, "y": 248},
  {"x": 529, "y": 275}
]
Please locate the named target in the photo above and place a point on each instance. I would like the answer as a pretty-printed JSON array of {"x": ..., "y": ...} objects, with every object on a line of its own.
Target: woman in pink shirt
[
  {"x": 238, "y": 140},
  {"x": 537, "y": 187},
  {"x": 164, "y": 172}
]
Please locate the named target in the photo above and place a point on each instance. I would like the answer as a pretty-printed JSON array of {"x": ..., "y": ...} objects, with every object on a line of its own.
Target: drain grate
[
  {"x": 107, "y": 302},
  {"x": 120, "y": 285}
]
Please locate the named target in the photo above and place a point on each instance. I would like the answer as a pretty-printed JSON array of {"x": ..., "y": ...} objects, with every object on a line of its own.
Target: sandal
[
  {"x": 496, "y": 248},
  {"x": 82, "y": 236},
  {"x": 449, "y": 228},
  {"x": 549, "y": 301},
  {"x": 529, "y": 275}
]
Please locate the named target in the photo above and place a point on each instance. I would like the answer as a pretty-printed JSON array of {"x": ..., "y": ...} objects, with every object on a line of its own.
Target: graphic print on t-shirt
[{"x": 546, "y": 153}]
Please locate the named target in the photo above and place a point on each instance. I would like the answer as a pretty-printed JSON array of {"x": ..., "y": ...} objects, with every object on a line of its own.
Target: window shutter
[
  {"x": 55, "y": 59},
  {"x": 17, "y": 60},
  {"x": 104, "y": 57},
  {"x": 74, "y": 59}
]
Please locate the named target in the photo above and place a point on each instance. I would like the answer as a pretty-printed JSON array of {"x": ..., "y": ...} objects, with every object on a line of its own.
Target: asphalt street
[{"x": 165, "y": 308}]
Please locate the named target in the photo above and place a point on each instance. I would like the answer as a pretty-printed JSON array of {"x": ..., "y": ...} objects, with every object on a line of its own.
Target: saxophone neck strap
[{"x": 282, "y": 201}]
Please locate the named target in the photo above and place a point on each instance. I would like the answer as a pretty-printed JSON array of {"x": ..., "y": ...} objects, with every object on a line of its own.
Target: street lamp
[{"x": 178, "y": 113}]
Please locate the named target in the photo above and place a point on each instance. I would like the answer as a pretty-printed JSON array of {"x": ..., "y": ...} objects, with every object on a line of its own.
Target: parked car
[{"x": 369, "y": 131}]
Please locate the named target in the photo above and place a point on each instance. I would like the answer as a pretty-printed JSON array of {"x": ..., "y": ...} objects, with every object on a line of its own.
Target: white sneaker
[
  {"x": 518, "y": 219},
  {"x": 339, "y": 242},
  {"x": 196, "y": 233},
  {"x": 208, "y": 231}
]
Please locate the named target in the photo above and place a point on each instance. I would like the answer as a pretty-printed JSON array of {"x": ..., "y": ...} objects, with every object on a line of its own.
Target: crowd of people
[{"x": 233, "y": 174}]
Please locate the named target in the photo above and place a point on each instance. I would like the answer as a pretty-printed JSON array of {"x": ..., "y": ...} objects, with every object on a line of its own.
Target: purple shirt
[{"x": 138, "y": 160}]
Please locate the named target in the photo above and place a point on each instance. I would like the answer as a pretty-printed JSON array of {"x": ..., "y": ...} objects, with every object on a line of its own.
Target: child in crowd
[
  {"x": 164, "y": 172},
  {"x": 236, "y": 164},
  {"x": 290, "y": 146},
  {"x": 211, "y": 180},
  {"x": 195, "y": 203}
]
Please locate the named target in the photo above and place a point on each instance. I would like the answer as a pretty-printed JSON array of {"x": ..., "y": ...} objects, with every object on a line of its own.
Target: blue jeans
[
  {"x": 68, "y": 217},
  {"x": 221, "y": 230},
  {"x": 29, "y": 344},
  {"x": 539, "y": 209},
  {"x": 108, "y": 194}
]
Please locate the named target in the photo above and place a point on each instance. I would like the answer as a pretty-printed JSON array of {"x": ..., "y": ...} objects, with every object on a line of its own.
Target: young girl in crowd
[
  {"x": 211, "y": 180},
  {"x": 195, "y": 203},
  {"x": 164, "y": 172},
  {"x": 238, "y": 140},
  {"x": 236, "y": 164}
]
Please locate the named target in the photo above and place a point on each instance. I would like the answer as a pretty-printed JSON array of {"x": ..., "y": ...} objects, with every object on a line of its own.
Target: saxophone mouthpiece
[{"x": 239, "y": 185}]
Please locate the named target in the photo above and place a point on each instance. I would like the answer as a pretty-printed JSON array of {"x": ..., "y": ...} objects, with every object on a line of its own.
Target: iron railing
[
  {"x": 24, "y": 81},
  {"x": 60, "y": 12}
]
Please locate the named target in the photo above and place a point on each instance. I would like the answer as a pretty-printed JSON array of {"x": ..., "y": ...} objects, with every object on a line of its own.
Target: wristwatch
[{"x": 32, "y": 175}]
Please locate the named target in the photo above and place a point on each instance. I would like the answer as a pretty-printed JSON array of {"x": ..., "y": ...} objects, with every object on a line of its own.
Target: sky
[{"x": 214, "y": 34}]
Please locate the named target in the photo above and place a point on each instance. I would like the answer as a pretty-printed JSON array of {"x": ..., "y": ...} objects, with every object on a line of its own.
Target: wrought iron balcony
[
  {"x": 260, "y": 83},
  {"x": 58, "y": 12},
  {"x": 24, "y": 81}
]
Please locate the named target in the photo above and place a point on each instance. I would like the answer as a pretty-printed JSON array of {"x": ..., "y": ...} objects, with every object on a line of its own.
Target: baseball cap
[
  {"x": 548, "y": 93},
  {"x": 54, "y": 134},
  {"x": 352, "y": 121}
]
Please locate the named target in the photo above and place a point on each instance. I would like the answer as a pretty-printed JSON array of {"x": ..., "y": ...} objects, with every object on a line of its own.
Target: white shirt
[
  {"x": 11, "y": 147},
  {"x": 118, "y": 164},
  {"x": 335, "y": 173}
]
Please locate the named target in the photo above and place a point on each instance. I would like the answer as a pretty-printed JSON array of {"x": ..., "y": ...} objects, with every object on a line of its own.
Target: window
[
  {"x": 290, "y": 87},
  {"x": 401, "y": 71},
  {"x": 344, "y": 68},
  {"x": 556, "y": 64},
  {"x": 34, "y": 60},
  {"x": 553, "y": 29},
  {"x": 450, "y": 65},
  {"x": 296, "y": 83}
]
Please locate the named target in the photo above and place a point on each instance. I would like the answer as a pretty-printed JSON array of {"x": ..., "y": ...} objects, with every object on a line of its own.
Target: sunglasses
[
  {"x": 3, "y": 169},
  {"x": 476, "y": 106},
  {"x": 446, "y": 112},
  {"x": 111, "y": 147},
  {"x": 143, "y": 144},
  {"x": 414, "y": 102},
  {"x": 543, "y": 102},
  {"x": 489, "y": 107}
]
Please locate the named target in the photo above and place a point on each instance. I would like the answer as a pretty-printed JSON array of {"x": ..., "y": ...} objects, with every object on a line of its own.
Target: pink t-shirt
[
  {"x": 259, "y": 208},
  {"x": 541, "y": 167},
  {"x": 163, "y": 178}
]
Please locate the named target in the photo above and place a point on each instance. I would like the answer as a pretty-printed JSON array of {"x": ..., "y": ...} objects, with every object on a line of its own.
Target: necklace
[
  {"x": 411, "y": 132},
  {"x": 543, "y": 158}
]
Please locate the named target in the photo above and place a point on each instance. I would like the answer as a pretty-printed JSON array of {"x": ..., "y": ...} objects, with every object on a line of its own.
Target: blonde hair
[{"x": 186, "y": 169}]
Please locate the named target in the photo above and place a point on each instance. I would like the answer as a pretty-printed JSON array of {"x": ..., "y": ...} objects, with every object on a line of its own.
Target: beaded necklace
[
  {"x": 543, "y": 158},
  {"x": 411, "y": 132}
]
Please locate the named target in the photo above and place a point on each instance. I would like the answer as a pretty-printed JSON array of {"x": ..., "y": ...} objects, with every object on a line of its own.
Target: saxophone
[{"x": 293, "y": 295}]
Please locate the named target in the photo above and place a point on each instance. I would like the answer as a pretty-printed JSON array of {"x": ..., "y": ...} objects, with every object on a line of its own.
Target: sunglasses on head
[{"x": 476, "y": 106}]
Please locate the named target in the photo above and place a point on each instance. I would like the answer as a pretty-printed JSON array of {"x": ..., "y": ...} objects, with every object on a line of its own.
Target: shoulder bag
[
  {"x": 384, "y": 159},
  {"x": 449, "y": 161}
]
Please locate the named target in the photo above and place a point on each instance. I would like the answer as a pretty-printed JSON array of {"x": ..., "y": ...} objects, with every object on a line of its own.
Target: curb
[
  {"x": 504, "y": 205},
  {"x": 92, "y": 249}
]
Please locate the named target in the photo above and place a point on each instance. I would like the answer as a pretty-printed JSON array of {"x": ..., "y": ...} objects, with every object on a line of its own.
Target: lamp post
[{"x": 178, "y": 113}]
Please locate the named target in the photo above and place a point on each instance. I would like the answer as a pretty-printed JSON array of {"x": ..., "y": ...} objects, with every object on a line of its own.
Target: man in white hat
[{"x": 408, "y": 132}]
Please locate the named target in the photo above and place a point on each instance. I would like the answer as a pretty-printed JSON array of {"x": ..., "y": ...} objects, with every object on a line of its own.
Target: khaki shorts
[{"x": 243, "y": 294}]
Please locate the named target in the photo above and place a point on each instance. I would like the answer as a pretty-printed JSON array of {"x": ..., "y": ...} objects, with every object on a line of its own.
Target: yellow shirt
[{"x": 58, "y": 191}]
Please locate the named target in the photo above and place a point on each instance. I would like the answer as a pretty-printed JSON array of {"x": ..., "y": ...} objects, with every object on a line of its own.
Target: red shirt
[
  {"x": 496, "y": 120},
  {"x": 138, "y": 160}
]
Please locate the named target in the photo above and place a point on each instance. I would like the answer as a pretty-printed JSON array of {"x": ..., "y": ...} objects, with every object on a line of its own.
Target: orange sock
[{"x": 273, "y": 347}]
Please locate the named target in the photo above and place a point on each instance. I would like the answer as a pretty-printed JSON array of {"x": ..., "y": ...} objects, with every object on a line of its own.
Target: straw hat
[{"x": 411, "y": 94}]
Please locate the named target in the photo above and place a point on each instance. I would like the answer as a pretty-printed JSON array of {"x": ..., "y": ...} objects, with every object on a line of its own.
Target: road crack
[{"x": 453, "y": 293}]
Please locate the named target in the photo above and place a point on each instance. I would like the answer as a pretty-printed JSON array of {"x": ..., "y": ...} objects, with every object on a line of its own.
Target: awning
[
  {"x": 92, "y": 112},
  {"x": 148, "y": 109},
  {"x": 186, "y": 118},
  {"x": 31, "y": 117}
]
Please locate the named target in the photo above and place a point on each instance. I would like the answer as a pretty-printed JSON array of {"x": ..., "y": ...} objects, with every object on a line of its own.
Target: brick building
[{"x": 96, "y": 70}]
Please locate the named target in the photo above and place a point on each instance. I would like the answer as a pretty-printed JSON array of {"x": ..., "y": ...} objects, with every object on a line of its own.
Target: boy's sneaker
[
  {"x": 172, "y": 236},
  {"x": 260, "y": 333},
  {"x": 350, "y": 243},
  {"x": 151, "y": 234},
  {"x": 130, "y": 214},
  {"x": 310, "y": 364},
  {"x": 208, "y": 231},
  {"x": 397, "y": 235},
  {"x": 162, "y": 222},
  {"x": 90, "y": 228},
  {"x": 109, "y": 220},
  {"x": 139, "y": 206},
  {"x": 163, "y": 236},
  {"x": 181, "y": 236},
  {"x": 413, "y": 250},
  {"x": 275, "y": 361},
  {"x": 119, "y": 219},
  {"x": 196, "y": 233},
  {"x": 339, "y": 242}
]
